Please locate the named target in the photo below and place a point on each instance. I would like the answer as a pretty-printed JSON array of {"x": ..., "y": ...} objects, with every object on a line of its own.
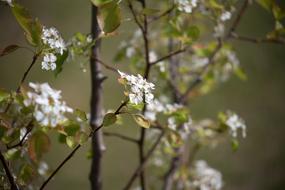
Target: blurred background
[{"x": 258, "y": 164}]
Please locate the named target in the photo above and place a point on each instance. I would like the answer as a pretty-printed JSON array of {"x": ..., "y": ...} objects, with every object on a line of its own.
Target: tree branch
[
  {"x": 171, "y": 54},
  {"x": 123, "y": 137},
  {"x": 141, "y": 167},
  {"x": 256, "y": 40},
  {"x": 10, "y": 177}
]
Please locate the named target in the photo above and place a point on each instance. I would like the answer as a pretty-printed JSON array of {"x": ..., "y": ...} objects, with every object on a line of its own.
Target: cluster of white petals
[
  {"x": 152, "y": 109},
  {"x": 139, "y": 88},
  {"x": 226, "y": 15},
  {"x": 49, "y": 110},
  {"x": 235, "y": 122},
  {"x": 206, "y": 178},
  {"x": 56, "y": 45},
  {"x": 186, "y": 5},
  {"x": 10, "y": 3},
  {"x": 48, "y": 62}
]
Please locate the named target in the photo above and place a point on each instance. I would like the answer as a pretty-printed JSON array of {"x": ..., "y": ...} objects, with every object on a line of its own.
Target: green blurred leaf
[
  {"x": 9, "y": 49},
  {"x": 4, "y": 95},
  {"x": 70, "y": 141},
  {"x": 71, "y": 129},
  {"x": 39, "y": 143},
  {"x": 26, "y": 174},
  {"x": 240, "y": 74},
  {"x": 109, "y": 119},
  {"x": 235, "y": 144},
  {"x": 31, "y": 26},
  {"x": 109, "y": 17},
  {"x": 193, "y": 32},
  {"x": 99, "y": 3},
  {"x": 60, "y": 59},
  {"x": 13, "y": 154},
  {"x": 81, "y": 114},
  {"x": 267, "y": 4},
  {"x": 141, "y": 120}
]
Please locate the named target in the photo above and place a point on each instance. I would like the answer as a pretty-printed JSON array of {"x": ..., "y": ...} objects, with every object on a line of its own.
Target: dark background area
[{"x": 258, "y": 164}]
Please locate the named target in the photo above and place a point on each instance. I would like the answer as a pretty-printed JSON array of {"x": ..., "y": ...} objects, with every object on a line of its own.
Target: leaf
[
  {"x": 39, "y": 143},
  {"x": 99, "y": 3},
  {"x": 141, "y": 120},
  {"x": 109, "y": 119},
  {"x": 109, "y": 17},
  {"x": 193, "y": 32},
  {"x": 81, "y": 114},
  {"x": 31, "y": 26},
  {"x": 9, "y": 49},
  {"x": 239, "y": 72},
  {"x": 3, "y": 95},
  {"x": 70, "y": 141},
  {"x": 26, "y": 174},
  {"x": 60, "y": 59},
  {"x": 267, "y": 4},
  {"x": 71, "y": 129},
  {"x": 235, "y": 144}
]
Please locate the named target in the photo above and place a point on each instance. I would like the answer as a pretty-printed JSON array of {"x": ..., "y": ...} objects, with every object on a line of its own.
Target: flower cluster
[
  {"x": 10, "y": 3},
  {"x": 186, "y": 5},
  {"x": 219, "y": 29},
  {"x": 49, "y": 110},
  {"x": 55, "y": 45},
  {"x": 235, "y": 122},
  {"x": 205, "y": 177},
  {"x": 139, "y": 88}
]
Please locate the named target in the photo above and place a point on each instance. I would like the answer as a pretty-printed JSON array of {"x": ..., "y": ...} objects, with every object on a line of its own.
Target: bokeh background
[{"x": 259, "y": 163}]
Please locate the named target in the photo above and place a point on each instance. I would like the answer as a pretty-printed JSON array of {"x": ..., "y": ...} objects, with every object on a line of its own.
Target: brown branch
[
  {"x": 135, "y": 16},
  {"x": 163, "y": 14},
  {"x": 171, "y": 54},
  {"x": 29, "y": 128},
  {"x": 123, "y": 137},
  {"x": 141, "y": 167},
  {"x": 257, "y": 40},
  {"x": 106, "y": 65},
  {"x": 10, "y": 177}
]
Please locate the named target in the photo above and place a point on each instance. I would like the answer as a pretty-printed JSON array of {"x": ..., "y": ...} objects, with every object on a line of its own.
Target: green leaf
[
  {"x": 193, "y": 32},
  {"x": 3, "y": 95},
  {"x": 267, "y": 4},
  {"x": 60, "y": 59},
  {"x": 240, "y": 74},
  {"x": 31, "y": 26},
  {"x": 71, "y": 129},
  {"x": 109, "y": 119},
  {"x": 70, "y": 141},
  {"x": 26, "y": 174},
  {"x": 141, "y": 120},
  {"x": 109, "y": 17},
  {"x": 9, "y": 49},
  {"x": 99, "y": 3},
  {"x": 235, "y": 144},
  {"x": 81, "y": 114},
  {"x": 13, "y": 154},
  {"x": 39, "y": 143}
]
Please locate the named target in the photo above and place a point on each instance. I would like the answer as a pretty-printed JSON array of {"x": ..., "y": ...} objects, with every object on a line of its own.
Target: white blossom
[
  {"x": 43, "y": 168},
  {"x": 205, "y": 177},
  {"x": 219, "y": 30},
  {"x": 48, "y": 62},
  {"x": 139, "y": 88},
  {"x": 130, "y": 51},
  {"x": 171, "y": 123},
  {"x": 170, "y": 108},
  {"x": 52, "y": 38},
  {"x": 153, "y": 108},
  {"x": 10, "y": 2},
  {"x": 235, "y": 122},
  {"x": 49, "y": 110},
  {"x": 186, "y": 5},
  {"x": 226, "y": 15},
  {"x": 152, "y": 56},
  {"x": 199, "y": 62}
]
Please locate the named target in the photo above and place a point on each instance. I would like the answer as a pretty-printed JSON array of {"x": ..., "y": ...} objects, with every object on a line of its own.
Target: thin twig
[
  {"x": 70, "y": 155},
  {"x": 169, "y": 55},
  {"x": 257, "y": 40},
  {"x": 106, "y": 65},
  {"x": 141, "y": 167},
  {"x": 10, "y": 177},
  {"x": 165, "y": 13},
  {"x": 123, "y": 137}
]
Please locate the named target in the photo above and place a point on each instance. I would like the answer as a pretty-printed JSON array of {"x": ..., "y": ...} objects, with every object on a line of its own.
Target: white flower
[
  {"x": 10, "y": 3},
  {"x": 205, "y": 177},
  {"x": 170, "y": 108},
  {"x": 43, "y": 168},
  {"x": 130, "y": 51},
  {"x": 152, "y": 56},
  {"x": 199, "y": 62},
  {"x": 186, "y": 5},
  {"x": 48, "y": 62},
  {"x": 152, "y": 109},
  {"x": 225, "y": 16},
  {"x": 139, "y": 88},
  {"x": 171, "y": 123},
  {"x": 52, "y": 38},
  {"x": 49, "y": 110},
  {"x": 219, "y": 30},
  {"x": 235, "y": 122}
]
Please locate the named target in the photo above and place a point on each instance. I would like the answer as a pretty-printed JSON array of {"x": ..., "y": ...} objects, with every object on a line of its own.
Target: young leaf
[
  {"x": 39, "y": 143},
  {"x": 59, "y": 62},
  {"x": 9, "y": 49},
  {"x": 81, "y": 114},
  {"x": 109, "y": 119},
  {"x": 99, "y": 3},
  {"x": 3, "y": 95},
  {"x": 70, "y": 141},
  {"x": 141, "y": 120},
  {"x": 109, "y": 17},
  {"x": 31, "y": 26},
  {"x": 235, "y": 145}
]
